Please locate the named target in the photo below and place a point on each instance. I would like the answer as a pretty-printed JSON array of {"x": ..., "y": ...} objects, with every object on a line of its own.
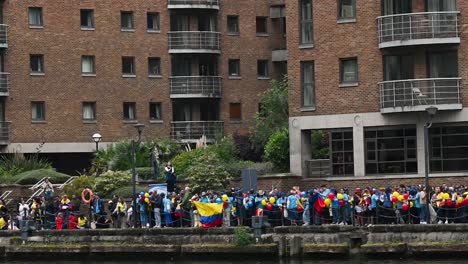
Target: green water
[{"x": 251, "y": 262}]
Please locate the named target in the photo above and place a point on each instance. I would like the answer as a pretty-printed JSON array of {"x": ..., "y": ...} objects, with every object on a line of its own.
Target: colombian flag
[{"x": 211, "y": 214}]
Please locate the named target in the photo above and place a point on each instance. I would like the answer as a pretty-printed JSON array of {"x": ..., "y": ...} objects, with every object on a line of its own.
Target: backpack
[{"x": 387, "y": 201}]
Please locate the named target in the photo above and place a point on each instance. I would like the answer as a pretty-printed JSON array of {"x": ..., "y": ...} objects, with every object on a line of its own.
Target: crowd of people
[{"x": 317, "y": 206}]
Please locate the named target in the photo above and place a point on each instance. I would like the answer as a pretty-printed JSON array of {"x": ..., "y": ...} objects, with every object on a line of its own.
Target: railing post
[
  {"x": 394, "y": 96},
  {"x": 435, "y": 91},
  {"x": 410, "y": 27},
  {"x": 458, "y": 91}
]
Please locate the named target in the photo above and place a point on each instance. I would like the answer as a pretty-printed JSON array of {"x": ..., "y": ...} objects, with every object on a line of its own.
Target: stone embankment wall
[{"x": 291, "y": 242}]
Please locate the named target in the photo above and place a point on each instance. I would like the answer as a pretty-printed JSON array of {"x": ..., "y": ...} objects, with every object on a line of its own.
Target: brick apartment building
[
  {"x": 183, "y": 68},
  {"x": 365, "y": 72}
]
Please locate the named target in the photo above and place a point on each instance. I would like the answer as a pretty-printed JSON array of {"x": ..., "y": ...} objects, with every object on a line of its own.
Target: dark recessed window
[
  {"x": 152, "y": 21},
  {"x": 154, "y": 66},
  {"x": 235, "y": 111},
  {"x": 233, "y": 24},
  {"x": 126, "y": 20},
  {"x": 129, "y": 110},
  {"x": 89, "y": 111},
  {"x": 37, "y": 111},
  {"x": 155, "y": 111},
  {"x": 262, "y": 68},
  {"x": 261, "y": 25},
  {"x": 346, "y": 9},
  {"x": 37, "y": 63},
  {"x": 87, "y": 18},
  {"x": 308, "y": 83},
  {"x": 234, "y": 67},
  {"x": 128, "y": 66},
  {"x": 348, "y": 71},
  {"x": 35, "y": 16},
  {"x": 306, "y": 22}
]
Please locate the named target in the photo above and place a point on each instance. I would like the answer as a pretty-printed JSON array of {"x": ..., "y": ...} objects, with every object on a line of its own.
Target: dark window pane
[
  {"x": 261, "y": 25},
  {"x": 235, "y": 111}
]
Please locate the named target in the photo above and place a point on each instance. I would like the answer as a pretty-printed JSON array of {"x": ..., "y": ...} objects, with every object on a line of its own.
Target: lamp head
[
  {"x": 139, "y": 127},
  {"x": 97, "y": 137},
  {"x": 432, "y": 110}
]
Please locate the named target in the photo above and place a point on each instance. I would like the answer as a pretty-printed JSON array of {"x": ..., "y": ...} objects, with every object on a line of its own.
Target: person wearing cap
[
  {"x": 204, "y": 198},
  {"x": 259, "y": 204},
  {"x": 65, "y": 207}
]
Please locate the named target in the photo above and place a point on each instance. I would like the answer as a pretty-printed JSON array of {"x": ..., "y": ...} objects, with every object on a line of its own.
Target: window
[
  {"x": 155, "y": 111},
  {"x": 448, "y": 147},
  {"x": 152, "y": 21},
  {"x": 35, "y": 17},
  {"x": 391, "y": 151},
  {"x": 87, "y": 65},
  {"x": 37, "y": 63},
  {"x": 443, "y": 64},
  {"x": 234, "y": 67},
  {"x": 398, "y": 67},
  {"x": 306, "y": 22},
  {"x": 154, "y": 66},
  {"x": 126, "y": 20},
  {"x": 346, "y": 9},
  {"x": 128, "y": 66},
  {"x": 348, "y": 71},
  {"x": 262, "y": 68},
  {"x": 89, "y": 111},
  {"x": 235, "y": 113},
  {"x": 87, "y": 18},
  {"x": 129, "y": 111},
  {"x": 261, "y": 25},
  {"x": 38, "y": 111},
  {"x": 233, "y": 24},
  {"x": 308, "y": 84},
  {"x": 342, "y": 155}
]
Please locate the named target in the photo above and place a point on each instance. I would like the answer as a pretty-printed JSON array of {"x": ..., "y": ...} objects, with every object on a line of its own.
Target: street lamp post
[
  {"x": 431, "y": 111},
  {"x": 97, "y": 138},
  {"x": 139, "y": 127}
]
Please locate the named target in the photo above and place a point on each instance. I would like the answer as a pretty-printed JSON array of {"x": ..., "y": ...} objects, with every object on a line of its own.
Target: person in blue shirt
[
  {"x": 306, "y": 214},
  {"x": 335, "y": 210},
  {"x": 375, "y": 198},
  {"x": 291, "y": 205},
  {"x": 167, "y": 209},
  {"x": 143, "y": 209},
  {"x": 204, "y": 198}
]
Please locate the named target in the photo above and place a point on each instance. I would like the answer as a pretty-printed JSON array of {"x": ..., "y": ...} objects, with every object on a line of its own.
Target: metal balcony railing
[
  {"x": 210, "y": 4},
  {"x": 193, "y": 41},
  {"x": 3, "y": 35},
  {"x": 4, "y": 83},
  {"x": 418, "y": 28},
  {"x": 4, "y": 132},
  {"x": 417, "y": 94},
  {"x": 320, "y": 168},
  {"x": 194, "y": 130},
  {"x": 195, "y": 86}
]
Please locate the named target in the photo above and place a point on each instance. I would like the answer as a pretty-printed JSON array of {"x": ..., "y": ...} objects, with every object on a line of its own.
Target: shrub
[
  {"x": 242, "y": 236},
  {"x": 127, "y": 191},
  {"x": 245, "y": 149},
  {"x": 79, "y": 184},
  {"x": 208, "y": 173},
  {"x": 111, "y": 180},
  {"x": 277, "y": 150},
  {"x": 33, "y": 176},
  {"x": 17, "y": 163},
  {"x": 145, "y": 173},
  {"x": 184, "y": 161}
]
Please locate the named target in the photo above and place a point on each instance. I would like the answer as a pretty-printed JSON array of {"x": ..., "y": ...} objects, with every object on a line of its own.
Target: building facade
[
  {"x": 365, "y": 73},
  {"x": 184, "y": 68}
]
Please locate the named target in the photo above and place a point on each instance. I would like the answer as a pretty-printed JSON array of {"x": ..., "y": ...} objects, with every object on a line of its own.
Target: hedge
[{"x": 32, "y": 177}]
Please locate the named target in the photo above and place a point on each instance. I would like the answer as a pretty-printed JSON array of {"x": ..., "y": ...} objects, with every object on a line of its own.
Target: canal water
[{"x": 250, "y": 262}]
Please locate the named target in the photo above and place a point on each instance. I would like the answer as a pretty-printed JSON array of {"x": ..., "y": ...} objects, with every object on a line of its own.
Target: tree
[
  {"x": 273, "y": 114},
  {"x": 277, "y": 150},
  {"x": 208, "y": 173}
]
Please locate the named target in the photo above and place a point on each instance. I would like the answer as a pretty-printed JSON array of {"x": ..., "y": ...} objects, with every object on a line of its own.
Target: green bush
[
  {"x": 208, "y": 173},
  {"x": 145, "y": 173},
  {"x": 109, "y": 181},
  {"x": 127, "y": 191},
  {"x": 242, "y": 236},
  {"x": 17, "y": 163},
  {"x": 277, "y": 150},
  {"x": 184, "y": 161},
  {"x": 78, "y": 185},
  {"x": 33, "y": 176}
]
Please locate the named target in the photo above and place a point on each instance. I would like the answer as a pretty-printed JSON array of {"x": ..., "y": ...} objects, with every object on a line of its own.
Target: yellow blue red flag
[{"x": 211, "y": 214}]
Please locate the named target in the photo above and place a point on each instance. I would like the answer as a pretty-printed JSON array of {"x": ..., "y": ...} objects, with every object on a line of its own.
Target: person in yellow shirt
[{"x": 82, "y": 221}]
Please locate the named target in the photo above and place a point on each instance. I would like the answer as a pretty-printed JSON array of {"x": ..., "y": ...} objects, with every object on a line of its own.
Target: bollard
[{"x": 257, "y": 224}]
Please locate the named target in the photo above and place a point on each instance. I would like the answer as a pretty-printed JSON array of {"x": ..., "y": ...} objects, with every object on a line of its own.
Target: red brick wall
[{"x": 64, "y": 89}]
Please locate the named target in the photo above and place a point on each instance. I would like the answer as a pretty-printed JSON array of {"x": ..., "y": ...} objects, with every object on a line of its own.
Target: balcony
[
  {"x": 194, "y": 42},
  {"x": 417, "y": 94},
  {"x": 418, "y": 29},
  {"x": 195, "y": 86},
  {"x": 198, "y": 4},
  {"x": 3, "y": 36},
  {"x": 4, "y": 84},
  {"x": 191, "y": 131},
  {"x": 4, "y": 133}
]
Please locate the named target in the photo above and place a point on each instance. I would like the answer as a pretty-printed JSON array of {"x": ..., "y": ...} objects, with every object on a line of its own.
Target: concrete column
[
  {"x": 420, "y": 147},
  {"x": 306, "y": 149},
  {"x": 358, "y": 148},
  {"x": 295, "y": 154}
]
